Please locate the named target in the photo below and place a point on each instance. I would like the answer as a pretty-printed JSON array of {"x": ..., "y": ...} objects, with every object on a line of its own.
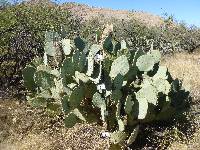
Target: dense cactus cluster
[{"x": 104, "y": 82}]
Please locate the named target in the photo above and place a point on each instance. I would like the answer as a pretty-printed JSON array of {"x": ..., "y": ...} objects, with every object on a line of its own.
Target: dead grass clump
[{"x": 186, "y": 67}]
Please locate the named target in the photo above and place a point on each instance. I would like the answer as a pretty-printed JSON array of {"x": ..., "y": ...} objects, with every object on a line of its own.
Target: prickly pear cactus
[{"x": 104, "y": 81}]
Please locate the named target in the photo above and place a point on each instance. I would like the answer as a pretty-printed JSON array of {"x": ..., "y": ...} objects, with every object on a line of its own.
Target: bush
[
  {"x": 22, "y": 28},
  {"x": 170, "y": 37}
]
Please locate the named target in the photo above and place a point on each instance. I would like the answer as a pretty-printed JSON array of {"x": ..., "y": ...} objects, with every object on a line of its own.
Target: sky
[{"x": 187, "y": 11}]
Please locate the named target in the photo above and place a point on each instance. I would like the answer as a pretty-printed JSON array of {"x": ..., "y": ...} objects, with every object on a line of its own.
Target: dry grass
[
  {"x": 80, "y": 137},
  {"x": 186, "y": 67},
  {"x": 25, "y": 128},
  {"x": 192, "y": 144}
]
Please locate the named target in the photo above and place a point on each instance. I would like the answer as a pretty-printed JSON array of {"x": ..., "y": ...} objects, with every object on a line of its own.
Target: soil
[{"x": 24, "y": 128}]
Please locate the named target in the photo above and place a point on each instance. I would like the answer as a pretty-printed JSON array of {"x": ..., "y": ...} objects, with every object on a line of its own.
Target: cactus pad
[
  {"x": 28, "y": 75},
  {"x": 119, "y": 66},
  {"x": 44, "y": 79},
  {"x": 133, "y": 135},
  {"x": 145, "y": 63},
  {"x": 67, "y": 47},
  {"x": 128, "y": 104},
  {"x": 118, "y": 137},
  {"x": 50, "y": 49},
  {"x": 76, "y": 97}
]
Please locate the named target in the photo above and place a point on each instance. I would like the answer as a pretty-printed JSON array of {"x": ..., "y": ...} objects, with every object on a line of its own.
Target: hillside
[{"x": 88, "y": 12}]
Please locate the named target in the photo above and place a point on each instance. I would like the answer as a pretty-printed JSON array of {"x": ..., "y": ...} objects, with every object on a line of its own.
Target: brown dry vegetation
[
  {"x": 186, "y": 67},
  {"x": 24, "y": 128},
  {"x": 86, "y": 12}
]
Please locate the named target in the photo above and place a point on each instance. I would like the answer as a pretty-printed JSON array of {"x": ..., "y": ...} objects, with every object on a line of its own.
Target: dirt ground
[{"x": 26, "y": 128}]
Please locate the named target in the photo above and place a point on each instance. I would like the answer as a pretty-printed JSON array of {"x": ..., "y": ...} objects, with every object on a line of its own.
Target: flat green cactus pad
[{"x": 119, "y": 66}]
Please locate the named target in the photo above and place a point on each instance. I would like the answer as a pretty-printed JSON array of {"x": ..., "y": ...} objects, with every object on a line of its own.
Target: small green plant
[{"x": 103, "y": 82}]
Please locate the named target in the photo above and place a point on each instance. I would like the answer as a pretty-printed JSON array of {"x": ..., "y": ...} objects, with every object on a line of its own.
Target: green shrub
[
  {"x": 170, "y": 37},
  {"x": 104, "y": 81},
  {"x": 22, "y": 29}
]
